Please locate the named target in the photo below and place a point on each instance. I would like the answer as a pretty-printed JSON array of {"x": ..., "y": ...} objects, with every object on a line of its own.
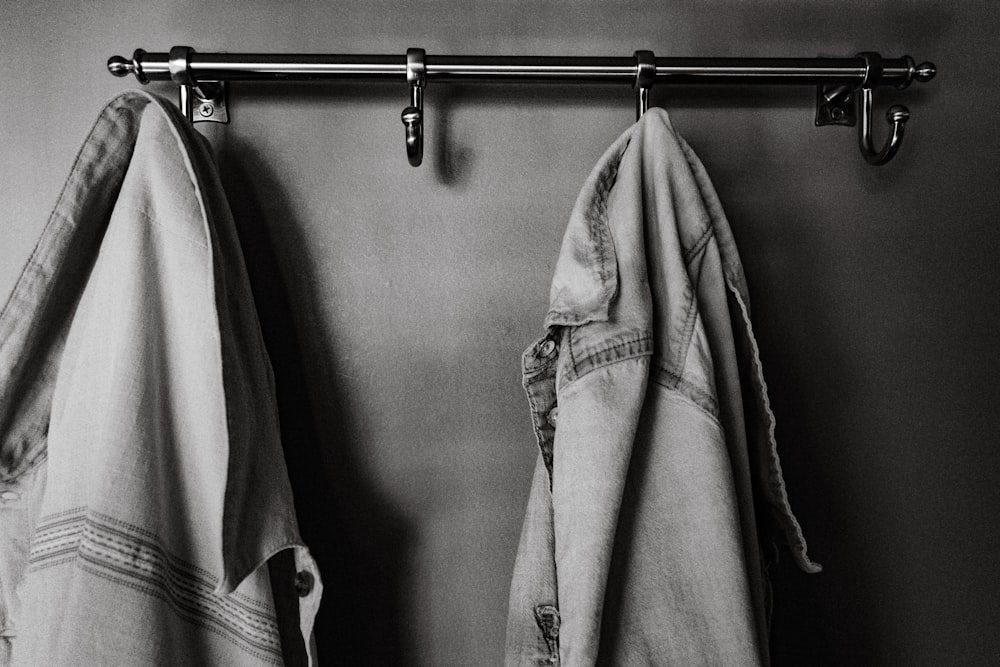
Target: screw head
[
  {"x": 837, "y": 113},
  {"x": 206, "y": 109}
]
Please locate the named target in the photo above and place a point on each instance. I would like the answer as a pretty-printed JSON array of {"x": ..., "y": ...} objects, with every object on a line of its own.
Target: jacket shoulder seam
[{"x": 631, "y": 345}]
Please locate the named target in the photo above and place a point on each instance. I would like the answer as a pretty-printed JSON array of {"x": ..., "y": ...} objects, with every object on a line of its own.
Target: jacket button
[
  {"x": 303, "y": 583},
  {"x": 547, "y": 348},
  {"x": 553, "y": 417}
]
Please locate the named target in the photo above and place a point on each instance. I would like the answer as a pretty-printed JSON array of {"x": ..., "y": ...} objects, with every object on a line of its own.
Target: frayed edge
[{"x": 793, "y": 531}]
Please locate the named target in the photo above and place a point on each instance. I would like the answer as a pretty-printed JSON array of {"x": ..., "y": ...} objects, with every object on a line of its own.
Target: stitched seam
[
  {"x": 597, "y": 214},
  {"x": 691, "y": 315},
  {"x": 608, "y": 354},
  {"x": 540, "y": 392},
  {"x": 670, "y": 380},
  {"x": 55, "y": 561},
  {"x": 178, "y": 563},
  {"x": 149, "y": 562},
  {"x": 699, "y": 244},
  {"x": 104, "y": 139},
  {"x": 184, "y": 606},
  {"x": 114, "y": 549},
  {"x": 572, "y": 358},
  {"x": 80, "y": 515},
  {"x": 154, "y": 542},
  {"x": 252, "y": 648},
  {"x": 185, "y": 592}
]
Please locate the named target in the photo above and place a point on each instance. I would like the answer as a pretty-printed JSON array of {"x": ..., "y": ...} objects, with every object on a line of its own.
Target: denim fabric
[
  {"x": 142, "y": 484},
  {"x": 658, "y": 492}
]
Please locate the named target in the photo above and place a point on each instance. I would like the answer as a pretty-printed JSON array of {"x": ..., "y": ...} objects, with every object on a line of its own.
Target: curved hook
[
  {"x": 645, "y": 76},
  {"x": 897, "y": 115},
  {"x": 413, "y": 122},
  {"x": 413, "y": 115}
]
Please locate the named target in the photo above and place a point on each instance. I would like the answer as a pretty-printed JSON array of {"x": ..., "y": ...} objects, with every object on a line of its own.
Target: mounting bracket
[
  {"x": 206, "y": 102},
  {"x": 835, "y": 105}
]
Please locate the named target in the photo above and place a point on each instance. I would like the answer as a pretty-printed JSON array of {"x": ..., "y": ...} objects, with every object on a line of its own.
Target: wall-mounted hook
[
  {"x": 413, "y": 115},
  {"x": 199, "y": 100},
  {"x": 840, "y": 104},
  {"x": 897, "y": 115},
  {"x": 645, "y": 76}
]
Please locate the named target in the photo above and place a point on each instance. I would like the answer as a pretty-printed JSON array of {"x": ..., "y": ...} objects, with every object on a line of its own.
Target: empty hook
[
  {"x": 645, "y": 76},
  {"x": 413, "y": 115},
  {"x": 896, "y": 116}
]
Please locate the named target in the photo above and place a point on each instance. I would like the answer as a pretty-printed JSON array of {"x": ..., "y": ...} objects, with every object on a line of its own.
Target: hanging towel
[
  {"x": 142, "y": 483},
  {"x": 658, "y": 492}
]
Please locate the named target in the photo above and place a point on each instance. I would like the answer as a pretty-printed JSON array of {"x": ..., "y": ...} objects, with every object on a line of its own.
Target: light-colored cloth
[
  {"x": 658, "y": 487},
  {"x": 142, "y": 483}
]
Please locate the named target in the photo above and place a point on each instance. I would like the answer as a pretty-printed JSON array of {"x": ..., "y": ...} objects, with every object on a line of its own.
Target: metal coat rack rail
[{"x": 843, "y": 85}]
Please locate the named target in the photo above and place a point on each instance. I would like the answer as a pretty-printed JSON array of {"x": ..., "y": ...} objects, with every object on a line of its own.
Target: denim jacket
[
  {"x": 658, "y": 492},
  {"x": 142, "y": 483}
]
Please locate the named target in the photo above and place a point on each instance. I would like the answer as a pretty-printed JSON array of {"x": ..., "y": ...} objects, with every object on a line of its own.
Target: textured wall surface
[{"x": 396, "y": 301}]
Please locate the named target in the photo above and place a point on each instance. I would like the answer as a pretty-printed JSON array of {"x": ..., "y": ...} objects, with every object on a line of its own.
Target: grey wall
[{"x": 396, "y": 301}]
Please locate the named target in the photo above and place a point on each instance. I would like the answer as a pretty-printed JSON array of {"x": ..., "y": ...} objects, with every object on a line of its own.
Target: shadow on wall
[
  {"x": 359, "y": 540},
  {"x": 363, "y": 542}
]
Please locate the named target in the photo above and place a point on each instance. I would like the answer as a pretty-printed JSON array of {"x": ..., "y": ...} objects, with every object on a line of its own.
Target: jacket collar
[{"x": 586, "y": 275}]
